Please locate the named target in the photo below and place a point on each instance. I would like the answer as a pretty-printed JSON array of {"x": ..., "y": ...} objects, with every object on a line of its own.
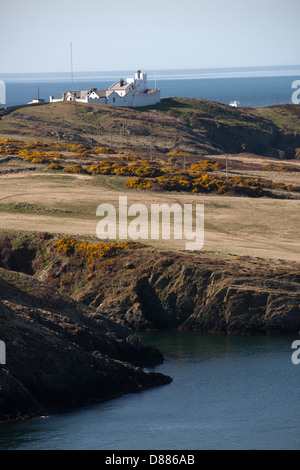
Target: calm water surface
[
  {"x": 254, "y": 87},
  {"x": 227, "y": 393}
]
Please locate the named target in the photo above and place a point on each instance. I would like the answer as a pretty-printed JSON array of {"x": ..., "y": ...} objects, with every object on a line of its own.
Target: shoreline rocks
[{"x": 60, "y": 355}]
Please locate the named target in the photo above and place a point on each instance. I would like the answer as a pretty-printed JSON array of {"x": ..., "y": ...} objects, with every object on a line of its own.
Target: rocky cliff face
[
  {"x": 61, "y": 354},
  {"x": 181, "y": 293},
  {"x": 146, "y": 289}
]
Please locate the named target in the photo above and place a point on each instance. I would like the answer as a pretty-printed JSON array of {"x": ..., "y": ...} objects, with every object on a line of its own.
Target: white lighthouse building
[{"x": 132, "y": 92}]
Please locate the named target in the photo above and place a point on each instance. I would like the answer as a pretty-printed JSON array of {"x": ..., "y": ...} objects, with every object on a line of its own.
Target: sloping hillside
[{"x": 192, "y": 125}]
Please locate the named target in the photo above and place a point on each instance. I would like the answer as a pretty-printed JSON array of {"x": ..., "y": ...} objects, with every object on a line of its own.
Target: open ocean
[{"x": 254, "y": 87}]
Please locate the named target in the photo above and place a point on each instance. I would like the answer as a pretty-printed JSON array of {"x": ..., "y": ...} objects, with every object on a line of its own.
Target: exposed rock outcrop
[
  {"x": 146, "y": 289},
  {"x": 60, "y": 354},
  {"x": 188, "y": 295}
]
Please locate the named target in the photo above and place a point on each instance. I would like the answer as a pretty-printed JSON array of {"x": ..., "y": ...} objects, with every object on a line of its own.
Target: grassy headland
[{"x": 192, "y": 125}]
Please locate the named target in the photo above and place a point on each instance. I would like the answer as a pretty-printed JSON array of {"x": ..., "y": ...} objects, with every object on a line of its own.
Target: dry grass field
[{"x": 66, "y": 204}]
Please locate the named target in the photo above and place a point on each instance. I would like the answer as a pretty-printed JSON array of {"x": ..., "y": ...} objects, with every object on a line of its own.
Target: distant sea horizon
[{"x": 250, "y": 86}]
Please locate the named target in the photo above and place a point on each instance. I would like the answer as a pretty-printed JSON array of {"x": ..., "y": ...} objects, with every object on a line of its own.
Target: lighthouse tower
[{"x": 140, "y": 82}]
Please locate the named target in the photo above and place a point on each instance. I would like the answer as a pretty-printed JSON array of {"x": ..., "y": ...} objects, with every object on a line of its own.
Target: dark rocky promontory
[{"x": 61, "y": 354}]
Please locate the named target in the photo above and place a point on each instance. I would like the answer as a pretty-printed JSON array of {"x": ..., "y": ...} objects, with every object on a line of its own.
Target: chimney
[{"x": 121, "y": 81}]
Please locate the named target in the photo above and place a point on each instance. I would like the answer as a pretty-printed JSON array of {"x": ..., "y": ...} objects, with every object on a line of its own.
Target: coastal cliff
[
  {"x": 180, "y": 291},
  {"x": 61, "y": 354},
  {"x": 143, "y": 288}
]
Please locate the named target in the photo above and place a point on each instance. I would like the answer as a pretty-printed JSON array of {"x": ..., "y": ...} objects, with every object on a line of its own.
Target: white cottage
[{"x": 133, "y": 92}]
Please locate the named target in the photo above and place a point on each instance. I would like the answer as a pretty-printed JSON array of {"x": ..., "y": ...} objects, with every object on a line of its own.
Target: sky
[{"x": 108, "y": 35}]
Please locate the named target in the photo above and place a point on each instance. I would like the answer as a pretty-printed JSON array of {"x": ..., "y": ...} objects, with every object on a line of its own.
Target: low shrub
[
  {"x": 54, "y": 166},
  {"x": 138, "y": 183},
  {"x": 74, "y": 169},
  {"x": 270, "y": 166},
  {"x": 90, "y": 254}
]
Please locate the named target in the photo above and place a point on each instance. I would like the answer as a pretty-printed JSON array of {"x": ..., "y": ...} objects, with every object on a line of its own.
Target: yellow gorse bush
[
  {"x": 54, "y": 166},
  {"x": 206, "y": 183},
  {"x": 273, "y": 167},
  {"x": 206, "y": 165},
  {"x": 138, "y": 183},
  {"x": 137, "y": 170},
  {"x": 34, "y": 149},
  {"x": 109, "y": 168},
  {"x": 74, "y": 169},
  {"x": 101, "y": 150},
  {"x": 89, "y": 254},
  {"x": 201, "y": 177},
  {"x": 179, "y": 153}
]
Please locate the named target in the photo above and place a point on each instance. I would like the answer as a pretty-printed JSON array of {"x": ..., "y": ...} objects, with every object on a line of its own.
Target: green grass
[
  {"x": 25, "y": 207},
  {"x": 201, "y": 113},
  {"x": 285, "y": 118}
]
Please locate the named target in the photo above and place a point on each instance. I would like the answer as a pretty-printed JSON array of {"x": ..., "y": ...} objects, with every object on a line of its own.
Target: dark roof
[
  {"x": 118, "y": 86},
  {"x": 100, "y": 93}
]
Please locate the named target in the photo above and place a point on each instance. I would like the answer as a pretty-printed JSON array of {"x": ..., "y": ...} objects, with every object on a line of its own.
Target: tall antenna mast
[
  {"x": 71, "y": 66},
  {"x": 72, "y": 77}
]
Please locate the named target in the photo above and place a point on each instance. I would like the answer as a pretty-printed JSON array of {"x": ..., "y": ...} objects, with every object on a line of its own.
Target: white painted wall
[
  {"x": 54, "y": 100},
  {"x": 135, "y": 97},
  {"x": 96, "y": 100},
  {"x": 146, "y": 99},
  {"x": 140, "y": 82}
]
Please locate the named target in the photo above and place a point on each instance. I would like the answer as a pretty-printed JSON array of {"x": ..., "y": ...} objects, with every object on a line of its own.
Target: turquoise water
[
  {"x": 254, "y": 87},
  {"x": 228, "y": 392}
]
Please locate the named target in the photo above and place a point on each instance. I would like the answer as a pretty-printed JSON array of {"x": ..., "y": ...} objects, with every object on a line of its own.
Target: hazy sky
[{"x": 154, "y": 34}]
